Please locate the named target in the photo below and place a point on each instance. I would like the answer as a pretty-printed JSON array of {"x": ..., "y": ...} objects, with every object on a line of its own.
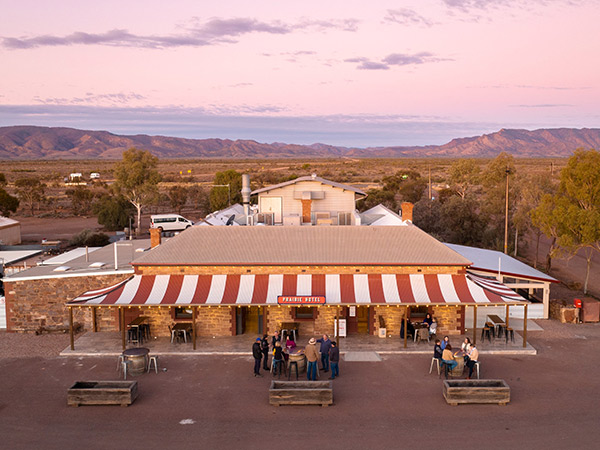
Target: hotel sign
[{"x": 300, "y": 300}]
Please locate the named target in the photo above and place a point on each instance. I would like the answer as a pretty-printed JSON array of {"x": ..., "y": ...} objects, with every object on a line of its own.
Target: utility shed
[{"x": 10, "y": 231}]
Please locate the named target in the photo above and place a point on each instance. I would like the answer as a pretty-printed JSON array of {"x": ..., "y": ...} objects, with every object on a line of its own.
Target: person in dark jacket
[
  {"x": 437, "y": 350},
  {"x": 264, "y": 345},
  {"x": 257, "y": 353},
  {"x": 334, "y": 359},
  {"x": 278, "y": 359},
  {"x": 325, "y": 347}
]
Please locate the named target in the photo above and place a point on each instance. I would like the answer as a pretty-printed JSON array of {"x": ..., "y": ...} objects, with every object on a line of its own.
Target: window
[
  {"x": 183, "y": 313},
  {"x": 304, "y": 312}
]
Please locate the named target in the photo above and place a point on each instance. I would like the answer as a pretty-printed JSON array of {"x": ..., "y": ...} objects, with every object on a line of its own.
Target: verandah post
[
  {"x": 194, "y": 312},
  {"x": 71, "y": 328},
  {"x": 405, "y": 324},
  {"x": 474, "y": 324}
]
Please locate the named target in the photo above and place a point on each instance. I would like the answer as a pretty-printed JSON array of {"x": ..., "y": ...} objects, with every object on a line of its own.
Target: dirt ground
[{"x": 215, "y": 402}]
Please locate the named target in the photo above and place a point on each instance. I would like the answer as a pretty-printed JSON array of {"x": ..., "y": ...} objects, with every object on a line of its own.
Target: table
[
  {"x": 499, "y": 324},
  {"x": 138, "y": 357},
  {"x": 457, "y": 372},
  {"x": 138, "y": 324},
  {"x": 186, "y": 327},
  {"x": 418, "y": 326}
]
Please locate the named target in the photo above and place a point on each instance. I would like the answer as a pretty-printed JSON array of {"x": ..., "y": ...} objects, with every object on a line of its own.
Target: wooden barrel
[
  {"x": 300, "y": 359},
  {"x": 457, "y": 372},
  {"x": 137, "y": 356}
]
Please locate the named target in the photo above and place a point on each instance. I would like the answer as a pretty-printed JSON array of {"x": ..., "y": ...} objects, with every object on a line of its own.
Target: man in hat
[
  {"x": 257, "y": 353},
  {"x": 311, "y": 356}
]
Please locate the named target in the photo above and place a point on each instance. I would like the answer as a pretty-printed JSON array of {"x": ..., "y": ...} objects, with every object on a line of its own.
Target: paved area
[
  {"x": 215, "y": 402},
  {"x": 110, "y": 344}
]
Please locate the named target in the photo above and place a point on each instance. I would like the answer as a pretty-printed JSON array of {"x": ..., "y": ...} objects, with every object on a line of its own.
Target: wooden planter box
[
  {"x": 102, "y": 393},
  {"x": 301, "y": 393},
  {"x": 476, "y": 391}
]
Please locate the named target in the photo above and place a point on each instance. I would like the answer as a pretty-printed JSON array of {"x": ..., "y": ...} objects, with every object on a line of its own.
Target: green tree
[
  {"x": 572, "y": 215},
  {"x": 81, "y": 200},
  {"x": 227, "y": 189},
  {"x": 30, "y": 191},
  {"x": 8, "y": 203},
  {"x": 375, "y": 197},
  {"x": 137, "y": 179},
  {"x": 90, "y": 239},
  {"x": 113, "y": 212},
  {"x": 178, "y": 196},
  {"x": 198, "y": 197},
  {"x": 464, "y": 176}
]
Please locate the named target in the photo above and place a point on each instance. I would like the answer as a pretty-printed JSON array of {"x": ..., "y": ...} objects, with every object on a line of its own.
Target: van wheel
[
  {"x": 187, "y": 227},
  {"x": 160, "y": 229}
]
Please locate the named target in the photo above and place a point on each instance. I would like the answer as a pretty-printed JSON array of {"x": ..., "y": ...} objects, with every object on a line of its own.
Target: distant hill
[{"x": 31, "y": 142}]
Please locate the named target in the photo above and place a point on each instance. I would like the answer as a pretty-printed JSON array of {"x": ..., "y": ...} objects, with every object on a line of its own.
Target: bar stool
[
  {"x": 153, "y": 359},
  {"x": 485, "y": 332},
  {"x": 437, "y": 361},
  {"x": 295, "y": 363},
  {"x": 512, "y": 334},
  {"x": 120, "y": 360},
  {"x": 477, "y": 365},
  {"x": 132, "y": 336},
  {"x": 124, "y": 367}
]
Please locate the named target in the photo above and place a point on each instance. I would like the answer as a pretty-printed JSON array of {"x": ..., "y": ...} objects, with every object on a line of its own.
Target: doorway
[
  {"x": 249, "y": 320},
  {"x": 357, "y": 318}
]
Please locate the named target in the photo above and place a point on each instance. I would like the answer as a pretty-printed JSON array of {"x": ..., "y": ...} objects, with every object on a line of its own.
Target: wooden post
[
  {"x": 337, "y": 327},
  {"x": 94, "y": 326},
  {"x": 194, "y": 311},
  {"x": 525, "y": 326},
  {"x": 122, "y": 320},
  {"x": 507, "y": 311},
  {"x": 405, "y": 325},
  {"x": 474, "y": 324},
  {"x": 71, "y": 328}
]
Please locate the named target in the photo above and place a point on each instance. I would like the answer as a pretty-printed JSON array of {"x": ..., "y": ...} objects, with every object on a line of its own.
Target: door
[
  {"x": 248, "y": 319},
  {"x": 357, "y": 319}
]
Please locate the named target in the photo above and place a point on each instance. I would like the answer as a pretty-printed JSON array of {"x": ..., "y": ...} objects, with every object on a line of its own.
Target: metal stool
[
  {"x": 133, "y": 336},
  {"x": 485, "y": 332},
  {"x": 437, "y": 361},
  {"x": 120, "y": 362},
  {"x": 512, "y": 334},
  {"x": 153, "y": 359},
  {"x": 295, "y": 363},
  {"x": 477, "y": 365},
  {"x": 124, "y": 366}
]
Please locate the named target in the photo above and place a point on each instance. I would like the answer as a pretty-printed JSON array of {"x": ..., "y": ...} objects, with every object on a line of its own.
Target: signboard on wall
[
  {"x": 352, "y": 311},
  {"x": 300, "y": 300},
  {"x": 342, "y": 332}
]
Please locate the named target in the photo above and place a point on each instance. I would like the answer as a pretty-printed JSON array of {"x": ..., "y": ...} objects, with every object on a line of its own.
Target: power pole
[
  {"x": 430, "y": 182},
  {"x": 506, "y": 215}
]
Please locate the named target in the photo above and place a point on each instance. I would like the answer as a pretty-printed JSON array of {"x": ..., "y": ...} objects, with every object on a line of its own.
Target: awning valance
[{"x": 338, "y": 289}]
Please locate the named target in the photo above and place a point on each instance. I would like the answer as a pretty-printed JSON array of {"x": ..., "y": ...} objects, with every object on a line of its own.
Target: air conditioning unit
[
  {"x": 266, "y": 218},
  {"x": 344, "y": 218}
]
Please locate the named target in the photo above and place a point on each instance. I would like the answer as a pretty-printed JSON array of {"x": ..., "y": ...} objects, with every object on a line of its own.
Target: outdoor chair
[
  {"x": 437, "y": 361},
  {"x": 422, "y": 335},
  {"x": 176, "y": 335},
  {"x": 512, "y": 334},
  {"x": 124, "y": 367},
  {"x": 120, "y": 360},
  {"x": 153, "y": 359}
]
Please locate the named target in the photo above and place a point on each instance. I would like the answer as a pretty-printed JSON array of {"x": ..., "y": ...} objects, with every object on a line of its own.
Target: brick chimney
[
  {"x": 407, "y": 211},
  {"x": 155, "y": 237}
]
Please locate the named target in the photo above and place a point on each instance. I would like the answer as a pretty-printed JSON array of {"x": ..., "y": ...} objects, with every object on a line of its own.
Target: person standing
[
  {"x": 257, "y": 353},
  {"x": 334, "y": 358},
  {"x": 325, "y": 347},
  {"x": 311, "y": 357},
  {"x": 274, "y": 339},
  {"x": 473, "y": 358},
  {"x": 278, "y": 360},
  {"x": 264, "y": 345}
]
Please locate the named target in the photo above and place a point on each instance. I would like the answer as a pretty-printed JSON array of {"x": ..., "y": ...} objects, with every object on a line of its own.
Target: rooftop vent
[
  {"x": 62, "y": 269},
  {"x": 97, "y": 265}
]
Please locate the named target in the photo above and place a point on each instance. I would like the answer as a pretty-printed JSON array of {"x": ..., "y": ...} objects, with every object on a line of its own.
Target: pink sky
[{"x": 340, "y": 72}]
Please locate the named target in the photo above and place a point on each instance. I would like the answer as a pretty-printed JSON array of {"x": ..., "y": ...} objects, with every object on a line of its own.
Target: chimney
[
  {"x": 246, "y": 195},
  {"x": 407, "y": 211},
  {"x": 155, "y": 237}
]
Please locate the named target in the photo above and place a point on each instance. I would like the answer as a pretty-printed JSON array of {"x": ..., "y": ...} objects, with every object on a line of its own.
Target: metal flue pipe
[{"x": 246, "y": 195}]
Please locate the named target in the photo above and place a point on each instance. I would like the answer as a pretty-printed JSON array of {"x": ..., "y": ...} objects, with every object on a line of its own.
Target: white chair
[
  {"x": 437, "y": 361},
  {"x": 124, "y": 365}
]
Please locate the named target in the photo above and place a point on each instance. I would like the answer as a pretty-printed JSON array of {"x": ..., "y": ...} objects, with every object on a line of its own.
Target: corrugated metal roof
[
  {"x": 406, "y": 245},
  {"x": 310, "y": 178}
]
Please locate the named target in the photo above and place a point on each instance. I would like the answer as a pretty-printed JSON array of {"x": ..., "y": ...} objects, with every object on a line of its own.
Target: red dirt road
[{"x": 215, "y": 402}]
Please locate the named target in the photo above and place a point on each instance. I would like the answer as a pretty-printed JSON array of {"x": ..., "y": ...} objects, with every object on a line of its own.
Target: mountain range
[{"x": 33, "y": 142}]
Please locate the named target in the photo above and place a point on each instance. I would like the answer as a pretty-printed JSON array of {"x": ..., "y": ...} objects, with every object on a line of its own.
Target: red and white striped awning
[{"x": 338, "y": 289}]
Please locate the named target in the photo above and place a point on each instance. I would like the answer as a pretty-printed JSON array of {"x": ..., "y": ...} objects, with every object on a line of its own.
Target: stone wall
[
  {"x": 449, "y": 319},
  {"x": 392, "y": 316},
  {"x": 33, "y": 304}
]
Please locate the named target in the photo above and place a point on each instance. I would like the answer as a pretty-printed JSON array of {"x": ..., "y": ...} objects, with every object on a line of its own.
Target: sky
[{"x": 346, "y": 72}]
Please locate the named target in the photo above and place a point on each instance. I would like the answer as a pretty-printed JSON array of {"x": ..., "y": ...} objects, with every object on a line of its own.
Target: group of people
[
  {"x": 443, "y": 352},
  {"x": 428, "y": 322},
  {"x": 328, "y": 351}
]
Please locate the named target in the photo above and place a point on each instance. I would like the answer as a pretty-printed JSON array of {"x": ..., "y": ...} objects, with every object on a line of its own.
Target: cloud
[
  {"x": 405, "y": 16},
  {"x": 197, "y": 34},
  {"x": 395, "y": 59},
  {"x": 92, "y": 99},
  {"x": 544, "y": 105}
]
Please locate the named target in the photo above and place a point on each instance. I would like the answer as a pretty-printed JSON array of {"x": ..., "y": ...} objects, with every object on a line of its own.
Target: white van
[{"x": 169, "y": 222}]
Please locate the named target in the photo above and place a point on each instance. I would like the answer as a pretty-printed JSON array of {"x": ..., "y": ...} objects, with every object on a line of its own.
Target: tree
[
  {"x": 113, "y": 212},
  {"x": 30, "y": 191},
  {"x": 8, "y": 203},
  {"x": 198, "y": 197},
  {"x": 81, "y": 200},
  {"x": 227, "y": 189},
  {"x": 493, "y": 205},
  {"x": 87, "y": 238},
  {"x": 178, "y": 196},
  {"x": 137, "y": 179},
  {"x": 464, "y": 175},
  {"x": 572, "y": 215}
]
